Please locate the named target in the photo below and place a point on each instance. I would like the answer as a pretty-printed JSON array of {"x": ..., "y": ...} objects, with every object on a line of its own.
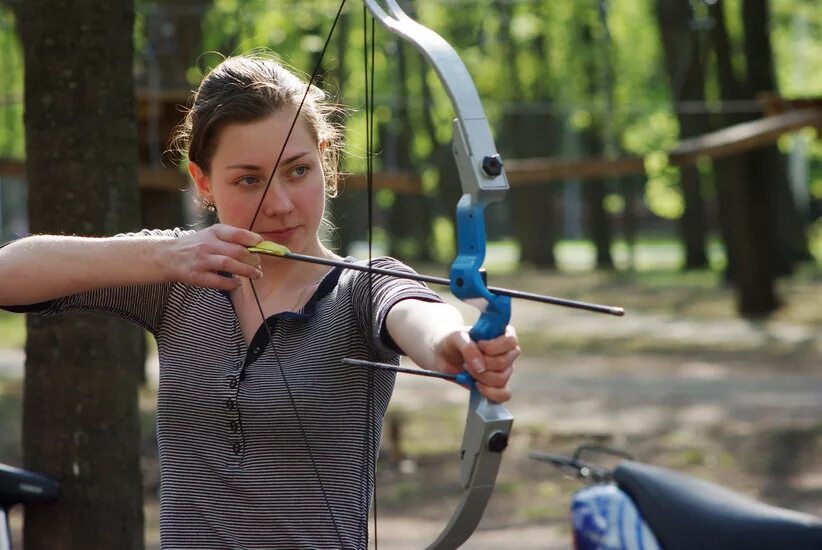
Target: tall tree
[
  {"x": 593, "y": 143},
  {"x": 729, "y": 173},
  {"x": 788, "y": 243},
  {"x": 410, "y": 216},
  {"x": 686, "y": 73},
  {"x": 80, "y": 413},
  {"x": 535, "y": 209},
  {"x": 743, "y": 198}
]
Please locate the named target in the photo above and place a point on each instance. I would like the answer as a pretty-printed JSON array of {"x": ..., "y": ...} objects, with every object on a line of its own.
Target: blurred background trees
[
  {"x": 614, "y": 86},
  {"x": 628, "y": 128}
]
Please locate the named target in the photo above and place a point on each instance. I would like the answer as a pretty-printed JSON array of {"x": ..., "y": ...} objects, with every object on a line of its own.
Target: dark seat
[
  {"x": 686, "y": 513},
  {"x": 21, "y": 487}
]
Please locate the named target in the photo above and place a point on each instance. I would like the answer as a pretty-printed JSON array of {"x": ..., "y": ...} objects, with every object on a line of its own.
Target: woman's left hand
[{"x": 490, "y": 362}]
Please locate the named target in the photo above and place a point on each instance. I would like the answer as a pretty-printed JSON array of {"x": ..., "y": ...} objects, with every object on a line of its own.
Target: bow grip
[{"x": 467, "y": 282}]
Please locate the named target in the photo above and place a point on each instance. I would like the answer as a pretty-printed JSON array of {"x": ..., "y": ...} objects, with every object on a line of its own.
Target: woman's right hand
[{"x": 215, "y": 257}]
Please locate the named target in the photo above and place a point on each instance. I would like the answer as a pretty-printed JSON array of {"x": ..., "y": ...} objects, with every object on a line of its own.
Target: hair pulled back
[{"x": 248, "y": 88}]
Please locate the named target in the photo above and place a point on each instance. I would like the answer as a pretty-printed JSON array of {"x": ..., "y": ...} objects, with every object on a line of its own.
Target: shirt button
[
  {"x": 233, "y": 383},
  {"x": 230, "y": 404},
  {"x": 237, "y": 448},
  {"x": 256, "y": 350},
  {"x": 234, "y": 426}
]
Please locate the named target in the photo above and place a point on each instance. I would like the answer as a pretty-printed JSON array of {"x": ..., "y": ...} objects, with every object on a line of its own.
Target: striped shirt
[{"x": 240, "y": 466}]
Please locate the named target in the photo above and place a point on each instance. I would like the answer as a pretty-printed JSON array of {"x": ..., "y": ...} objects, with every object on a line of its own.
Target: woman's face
[{"x": 241, "y": 165}]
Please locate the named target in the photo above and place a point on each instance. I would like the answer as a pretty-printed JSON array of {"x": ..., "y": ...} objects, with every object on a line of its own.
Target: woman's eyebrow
[
  {"x": 295, "y": 157},
  {"x": 244, "y": 166}
]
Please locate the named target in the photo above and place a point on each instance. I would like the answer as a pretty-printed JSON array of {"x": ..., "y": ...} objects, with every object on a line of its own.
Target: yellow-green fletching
[{"x": 270, "y": 248}]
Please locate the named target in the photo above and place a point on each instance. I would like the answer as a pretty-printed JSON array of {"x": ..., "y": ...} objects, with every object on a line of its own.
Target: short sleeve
[{"x": 384, "y": 292}]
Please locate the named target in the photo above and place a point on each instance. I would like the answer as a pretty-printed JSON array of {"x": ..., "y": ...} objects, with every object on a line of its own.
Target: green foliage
[
  {"x": 663, "y": 196},
  {"x": 614, "y": 203},
  {"x": 815, "y": 239},
  {"x": 797, "y": 26},
  {"x": 12, "y": 141},
  {"x": 12, "y": 330},
  {"x": 655, "y": 133},
  {"x": 443, "y": 240},
  {"x": 637, "y": 64}
]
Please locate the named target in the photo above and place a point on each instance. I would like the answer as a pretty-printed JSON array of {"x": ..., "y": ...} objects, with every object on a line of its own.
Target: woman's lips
[{"x": 279, "y": 235}]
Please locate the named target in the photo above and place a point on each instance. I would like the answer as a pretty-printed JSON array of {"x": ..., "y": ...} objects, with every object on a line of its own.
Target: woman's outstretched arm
[{"x": 45, "y": 267}]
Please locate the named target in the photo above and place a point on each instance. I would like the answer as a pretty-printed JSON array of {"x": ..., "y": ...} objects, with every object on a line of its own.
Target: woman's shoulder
[
  {"x": 390, "y": 275},
  {"x": 381, "y": 262}
]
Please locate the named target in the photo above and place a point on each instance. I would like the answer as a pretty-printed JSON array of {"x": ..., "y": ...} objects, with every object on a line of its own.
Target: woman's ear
[{"x": 201, "y": 182}]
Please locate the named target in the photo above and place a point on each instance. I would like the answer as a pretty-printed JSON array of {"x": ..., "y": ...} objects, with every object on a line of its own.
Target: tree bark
[
  {"x": 725, "y": 170},
  {"x": 410, "y": 218},
  {"x": 343, "y": 209},
  {"x": 686, "y": 72},
  {"x": 594, "y": 192},
  {"x": 80, "y": 412},
  {"x": 788, "y": 242},
  {"x": 535, "y": 211},
  {"x": 593, "y": 144},
  {"x": 742, "y": 203}
]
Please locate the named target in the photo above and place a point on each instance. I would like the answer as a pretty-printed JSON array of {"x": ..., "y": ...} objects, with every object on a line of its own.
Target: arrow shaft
[
  {"x": 395, "y": 368},
  {"x": 443, "y": 281}
]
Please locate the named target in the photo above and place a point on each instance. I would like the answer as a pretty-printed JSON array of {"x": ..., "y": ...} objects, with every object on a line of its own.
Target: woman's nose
[{"x": 277, "y": 201}]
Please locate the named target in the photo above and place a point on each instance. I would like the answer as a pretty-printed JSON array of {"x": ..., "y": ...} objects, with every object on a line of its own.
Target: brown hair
[{"x": 247, "y": 88}]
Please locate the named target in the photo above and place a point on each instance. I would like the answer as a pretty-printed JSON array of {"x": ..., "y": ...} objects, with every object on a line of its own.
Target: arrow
[
  {"x": 273, "y": 249},
  {"x": 463, "y": 378}
]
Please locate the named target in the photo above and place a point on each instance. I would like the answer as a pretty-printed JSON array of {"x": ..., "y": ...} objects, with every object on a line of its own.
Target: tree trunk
[
  {"x": 534, "y": 208},
  {"x": 725, "y": 170},
  {"x": 742, "y": 203},
  {"x": 410, "y": 217},
  {"x": 686, "y": 72},
  {"x": 631, "y": 188},
  {"x": 594, "y": 191},
  {"x": 788, "y": 242},
  {"x": 343, "y": 208},
  {"x": 80, "y": 413},
  {"x": 442, "y": 157}
]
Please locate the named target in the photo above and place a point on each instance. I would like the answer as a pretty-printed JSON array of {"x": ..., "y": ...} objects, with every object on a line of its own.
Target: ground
[{"x": 679, "y": 381}]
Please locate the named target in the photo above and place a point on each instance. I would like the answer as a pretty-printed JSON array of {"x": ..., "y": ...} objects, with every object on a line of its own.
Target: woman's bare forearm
[
  {"x": 45, "y": 267},
  {"x": 417, "y": 325}
]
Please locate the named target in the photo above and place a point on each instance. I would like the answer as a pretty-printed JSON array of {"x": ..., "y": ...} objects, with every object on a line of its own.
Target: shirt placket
[{"x": 232, "y": 382}]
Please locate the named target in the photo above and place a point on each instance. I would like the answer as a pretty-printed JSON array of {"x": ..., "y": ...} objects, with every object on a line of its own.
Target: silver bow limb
[{"x": 488, "y": 425}]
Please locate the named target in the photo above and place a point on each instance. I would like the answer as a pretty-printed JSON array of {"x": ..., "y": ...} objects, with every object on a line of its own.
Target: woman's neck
[{"x": 285, "y": 281}]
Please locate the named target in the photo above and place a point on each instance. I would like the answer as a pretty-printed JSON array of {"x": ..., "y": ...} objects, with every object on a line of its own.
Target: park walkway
[{"x": 657, "y": 379}]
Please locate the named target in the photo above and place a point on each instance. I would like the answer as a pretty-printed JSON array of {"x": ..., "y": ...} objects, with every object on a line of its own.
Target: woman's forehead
[{"x": 264, "y": 138}]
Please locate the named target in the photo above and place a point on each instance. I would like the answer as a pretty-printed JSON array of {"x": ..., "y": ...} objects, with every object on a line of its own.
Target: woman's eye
[
  {"x": 248, "y": 180},
  {"x": 299, "y": 171}
]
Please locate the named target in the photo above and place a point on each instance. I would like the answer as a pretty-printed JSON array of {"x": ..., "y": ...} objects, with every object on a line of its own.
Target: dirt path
[
  {"x": 736, "y": 402},
  {"x": 725, "y": 399}
]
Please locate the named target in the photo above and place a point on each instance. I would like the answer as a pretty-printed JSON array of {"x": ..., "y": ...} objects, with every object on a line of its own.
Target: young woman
[{"x": 266, "y": 439}]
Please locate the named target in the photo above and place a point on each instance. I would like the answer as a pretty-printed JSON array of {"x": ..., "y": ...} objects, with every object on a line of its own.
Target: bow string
[{"x": 483, "y": 180}]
